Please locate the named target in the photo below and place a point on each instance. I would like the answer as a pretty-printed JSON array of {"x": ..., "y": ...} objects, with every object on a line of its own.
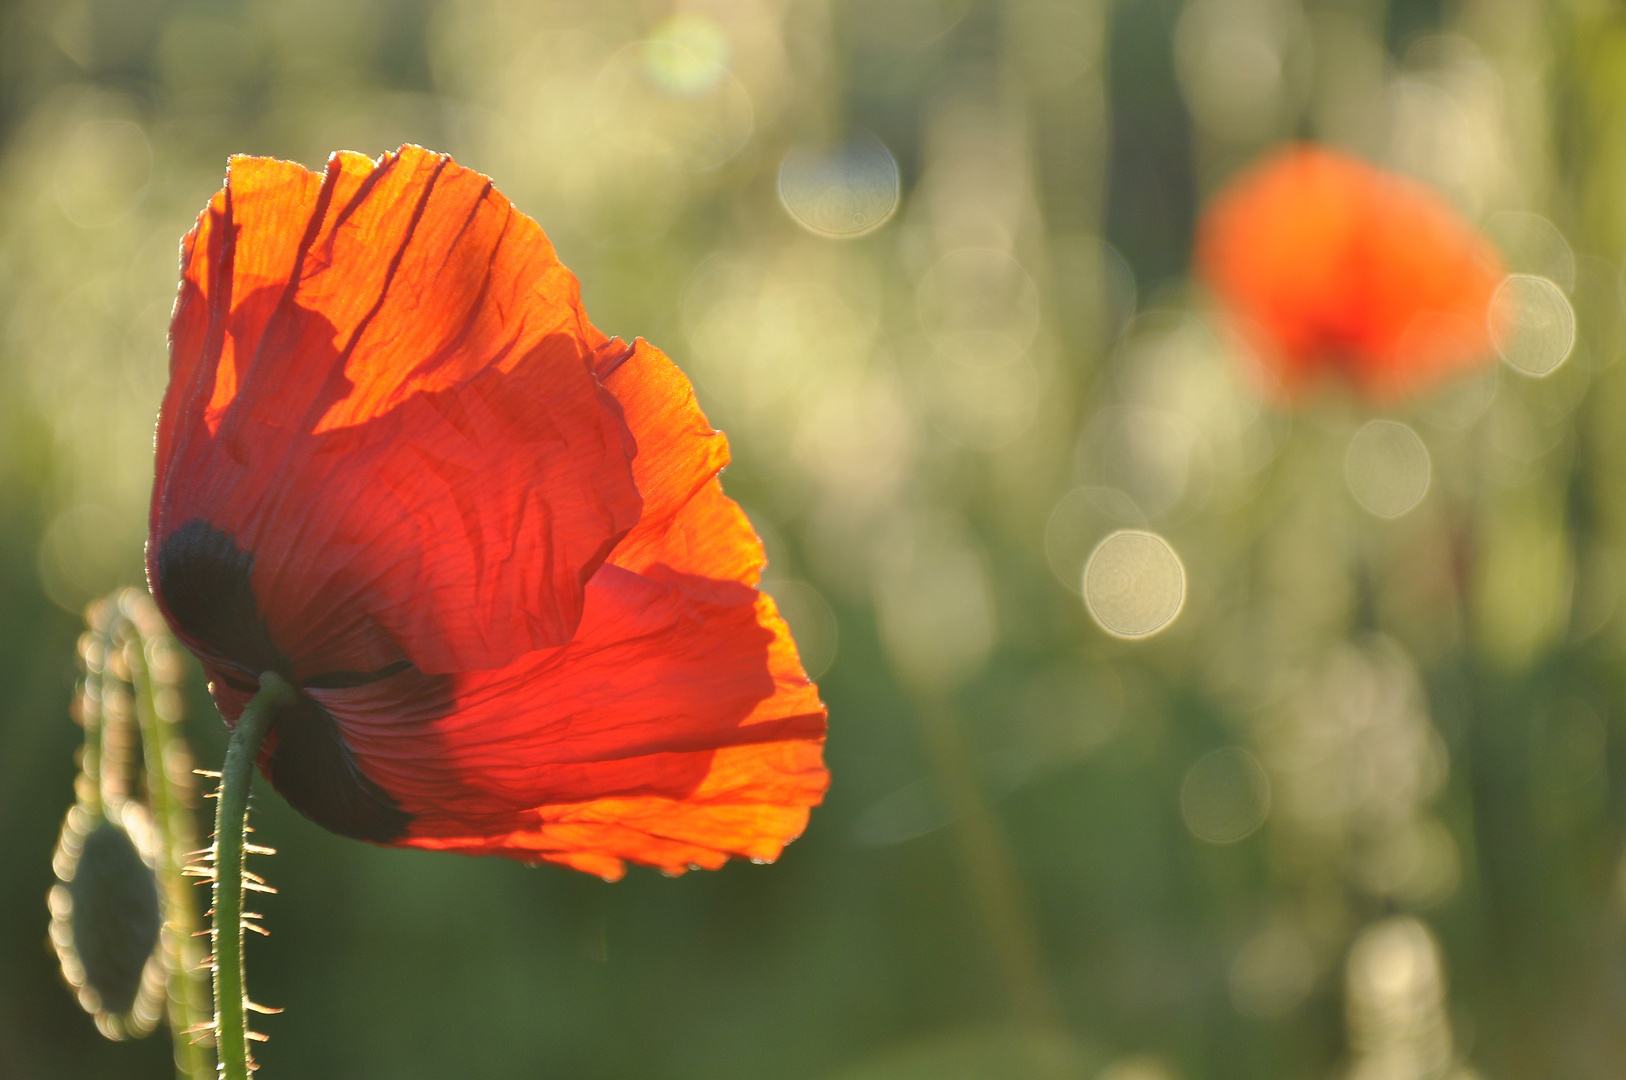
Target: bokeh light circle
[
  {"x": 1225, "y": 796},
  {"x": 1387, "y": 468},
  {"x": 840, "y": 193},
  {"x": 812, "y": 623},
  {"x": 1134, "y": 584},
  {"x": 1532, "y": 324}
]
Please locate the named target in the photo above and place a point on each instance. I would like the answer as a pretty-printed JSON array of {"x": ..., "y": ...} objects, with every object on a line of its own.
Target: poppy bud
[{"x": 106, "y": 920}]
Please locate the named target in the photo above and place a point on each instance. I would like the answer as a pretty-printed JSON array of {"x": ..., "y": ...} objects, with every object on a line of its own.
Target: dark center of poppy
[{"x": 205, "y": 580}]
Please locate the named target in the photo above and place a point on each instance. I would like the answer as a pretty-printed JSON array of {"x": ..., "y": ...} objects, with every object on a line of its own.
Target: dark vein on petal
[
  {"x": 343, "y": 680},
  {"x": 342, "y": 361}
]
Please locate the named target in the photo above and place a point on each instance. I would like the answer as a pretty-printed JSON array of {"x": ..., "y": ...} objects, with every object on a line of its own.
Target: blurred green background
[{"x": 1354, "y": 812}]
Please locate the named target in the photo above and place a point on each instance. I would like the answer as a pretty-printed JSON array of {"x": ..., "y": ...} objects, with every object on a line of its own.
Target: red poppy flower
[
  {"x": 1334, "y": 267},
  {"x": 397, "y": 465}
]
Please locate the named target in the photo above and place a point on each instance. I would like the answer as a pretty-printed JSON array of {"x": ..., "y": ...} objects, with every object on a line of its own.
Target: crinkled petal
[
  {"x": 754, "y": 800},
  {"x": 689, "y": 526},
  {"x": 676, "y": 728},
  {"x": 397, "y": 463},
  {"x": 382, "y": 390}
]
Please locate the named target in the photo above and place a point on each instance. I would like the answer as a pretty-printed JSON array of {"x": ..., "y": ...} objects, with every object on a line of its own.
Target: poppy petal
[
  {"x": 753, "y": 801},
  {"x": 381, "y": 391},
  {"x": 1334, "y": 266},
  {"x": 677, "y": 727},
  {"x": 688, "y": 525}
]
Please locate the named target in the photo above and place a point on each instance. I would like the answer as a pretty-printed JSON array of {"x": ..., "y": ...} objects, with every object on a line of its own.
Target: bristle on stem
[{"x": 231, "y": 880}]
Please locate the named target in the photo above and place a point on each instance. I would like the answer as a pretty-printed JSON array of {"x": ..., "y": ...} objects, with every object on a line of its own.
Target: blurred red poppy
[
  {"x": 397, "y": 465},
  {"x": 1335, "y": 268}
]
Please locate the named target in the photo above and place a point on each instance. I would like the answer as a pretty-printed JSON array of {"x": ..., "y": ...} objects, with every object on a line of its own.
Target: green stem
[
  {"x": 986, "y": 856},
  {"x": 231, "y": 999},
  {"x": 188, "y": 1002}
]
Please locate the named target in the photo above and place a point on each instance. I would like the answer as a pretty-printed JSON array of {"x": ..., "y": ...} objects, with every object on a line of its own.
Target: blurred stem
[
  {"x": 231, "y": 999},
  {"x": 988, "y": 864},
  {"x": 188, "y": 1001}
]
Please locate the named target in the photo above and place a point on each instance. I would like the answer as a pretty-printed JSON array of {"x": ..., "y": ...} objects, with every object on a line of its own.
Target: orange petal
[
  {"x": 677, "y": 727},
  {"x": 754, "y": 801},
  {"x": 688, "y": 526},
  {"x": 382, "y": 395}
]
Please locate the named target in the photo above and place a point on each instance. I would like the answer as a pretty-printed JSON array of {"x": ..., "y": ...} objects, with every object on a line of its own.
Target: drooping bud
[{"x": 106, "y": 917}]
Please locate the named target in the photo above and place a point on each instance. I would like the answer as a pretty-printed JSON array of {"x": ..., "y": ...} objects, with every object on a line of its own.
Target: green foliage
[{"x": 1009, "y": 877}]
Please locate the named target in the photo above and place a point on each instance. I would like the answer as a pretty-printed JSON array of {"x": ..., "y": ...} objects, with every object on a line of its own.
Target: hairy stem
[
  {"x": 231, "y": 1022},
  {"x": 168, "y": 793}
]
